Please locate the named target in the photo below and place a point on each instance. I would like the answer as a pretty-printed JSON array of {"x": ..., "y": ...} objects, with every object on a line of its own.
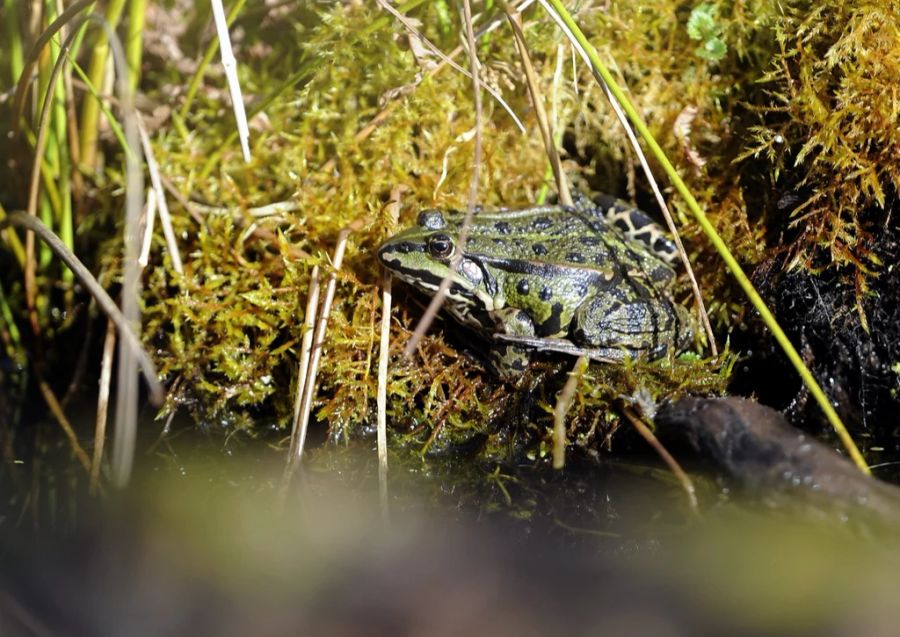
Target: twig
[
  {"x": 234, "y": 86},
  {"x": 381, "y": 396},
  {"x": 540, "y": 112},
  {"x": 563, "y": 403},
  {"x": 109, "y": 345},
  {"x": 679, "y": 473}
]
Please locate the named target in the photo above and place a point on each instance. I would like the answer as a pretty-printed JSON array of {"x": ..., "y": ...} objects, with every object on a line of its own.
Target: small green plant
[{"x": 704, "y": 25}]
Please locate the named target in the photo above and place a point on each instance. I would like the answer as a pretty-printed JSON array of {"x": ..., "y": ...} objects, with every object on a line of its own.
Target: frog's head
[{"x": 426, "y": 253}]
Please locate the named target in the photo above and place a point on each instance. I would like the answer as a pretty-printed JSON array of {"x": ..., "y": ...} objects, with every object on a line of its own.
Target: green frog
[{"x": 590, "y": 279}]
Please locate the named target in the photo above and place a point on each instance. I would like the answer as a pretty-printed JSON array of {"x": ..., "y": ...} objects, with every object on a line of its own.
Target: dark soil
[{"x": 856, "y": 365}]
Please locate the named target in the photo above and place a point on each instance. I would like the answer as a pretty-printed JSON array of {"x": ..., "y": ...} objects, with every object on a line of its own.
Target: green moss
[{"x": 832, "y": 121}]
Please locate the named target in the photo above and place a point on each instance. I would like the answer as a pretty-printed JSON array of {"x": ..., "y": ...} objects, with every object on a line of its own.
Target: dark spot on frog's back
[
  {"x": 502, "y": 227},
  {"x": 522, "y": 287},
  {"x": 539, "y": 249},
  {"x": 639, "y": 219},
  {"x": 664, "y": 246},
  {"x": 643, "y": 237},
  {"x": 575, "y": 257},
  {"x": 542, "y": 223},
  {"x": 589, "y": 240},
  {"x": 546, "y": 293}
]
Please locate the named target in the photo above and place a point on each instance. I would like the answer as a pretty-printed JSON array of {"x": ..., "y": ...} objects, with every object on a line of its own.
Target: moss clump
[{"x": 830, "y": 131}]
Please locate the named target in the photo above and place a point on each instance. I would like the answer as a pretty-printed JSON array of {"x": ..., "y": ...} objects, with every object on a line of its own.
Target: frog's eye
[{"x": 440, "y": 246}]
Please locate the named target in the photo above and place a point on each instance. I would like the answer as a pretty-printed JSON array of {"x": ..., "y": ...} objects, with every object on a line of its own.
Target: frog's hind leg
[
  {"x": 644, "y": 328},
  {"x": 637, "y": 225}
]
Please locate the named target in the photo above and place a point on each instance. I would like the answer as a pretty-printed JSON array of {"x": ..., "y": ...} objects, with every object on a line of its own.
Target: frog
[{"x": 594, "y": 278}]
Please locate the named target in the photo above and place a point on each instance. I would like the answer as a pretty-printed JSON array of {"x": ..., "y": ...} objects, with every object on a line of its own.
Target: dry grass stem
[
  {"x": 537, "y": 101},
  {"x": 309, "y": 319},
  {"x": 229, "y": 63},
  {"x": 683, "y": 478},
  {"x": 109, "y": 346},
  {"x": 563, "y": 403},
  {"x": 319, "y": 340},
  {"x": 65, "y": 425},
  {"x": 479, "y": 123},
  {"x": 149, "y": 218},
  {"x": 157, "y": 187},
  {"x": 259, "y": 212},
  {"x": 381, "y": 396}
]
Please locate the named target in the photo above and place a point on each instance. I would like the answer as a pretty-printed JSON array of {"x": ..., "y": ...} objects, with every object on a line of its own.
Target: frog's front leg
[
  {"x": 508, "y": 360},
  {"x": 642, "y": 328}
]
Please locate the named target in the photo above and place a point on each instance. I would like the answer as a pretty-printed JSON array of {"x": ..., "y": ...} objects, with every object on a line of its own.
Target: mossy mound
[
  {"x": 729, "y": 89},
  {"x": 776, "y": 114},
  {"x": 227, "y": 334}
]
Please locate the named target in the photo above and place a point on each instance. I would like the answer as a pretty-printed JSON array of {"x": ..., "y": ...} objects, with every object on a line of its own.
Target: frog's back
[{"x": 565, "y": 237}]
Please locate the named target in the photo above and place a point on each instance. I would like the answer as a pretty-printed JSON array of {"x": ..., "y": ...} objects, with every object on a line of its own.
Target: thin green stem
[
  {"x": 34, "y": 53},
  {"x": 12, "y": 330},
  {"x": 114, "y": 124},
  {"x": 58, "y": 148},
  {"x": 14, "y": 40},
  {"x": 90, "y": 114},
  {"x": 768, "y": 318},
  {"x": 12, "y": 240},
  {"x": 134, "y": 42}
]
